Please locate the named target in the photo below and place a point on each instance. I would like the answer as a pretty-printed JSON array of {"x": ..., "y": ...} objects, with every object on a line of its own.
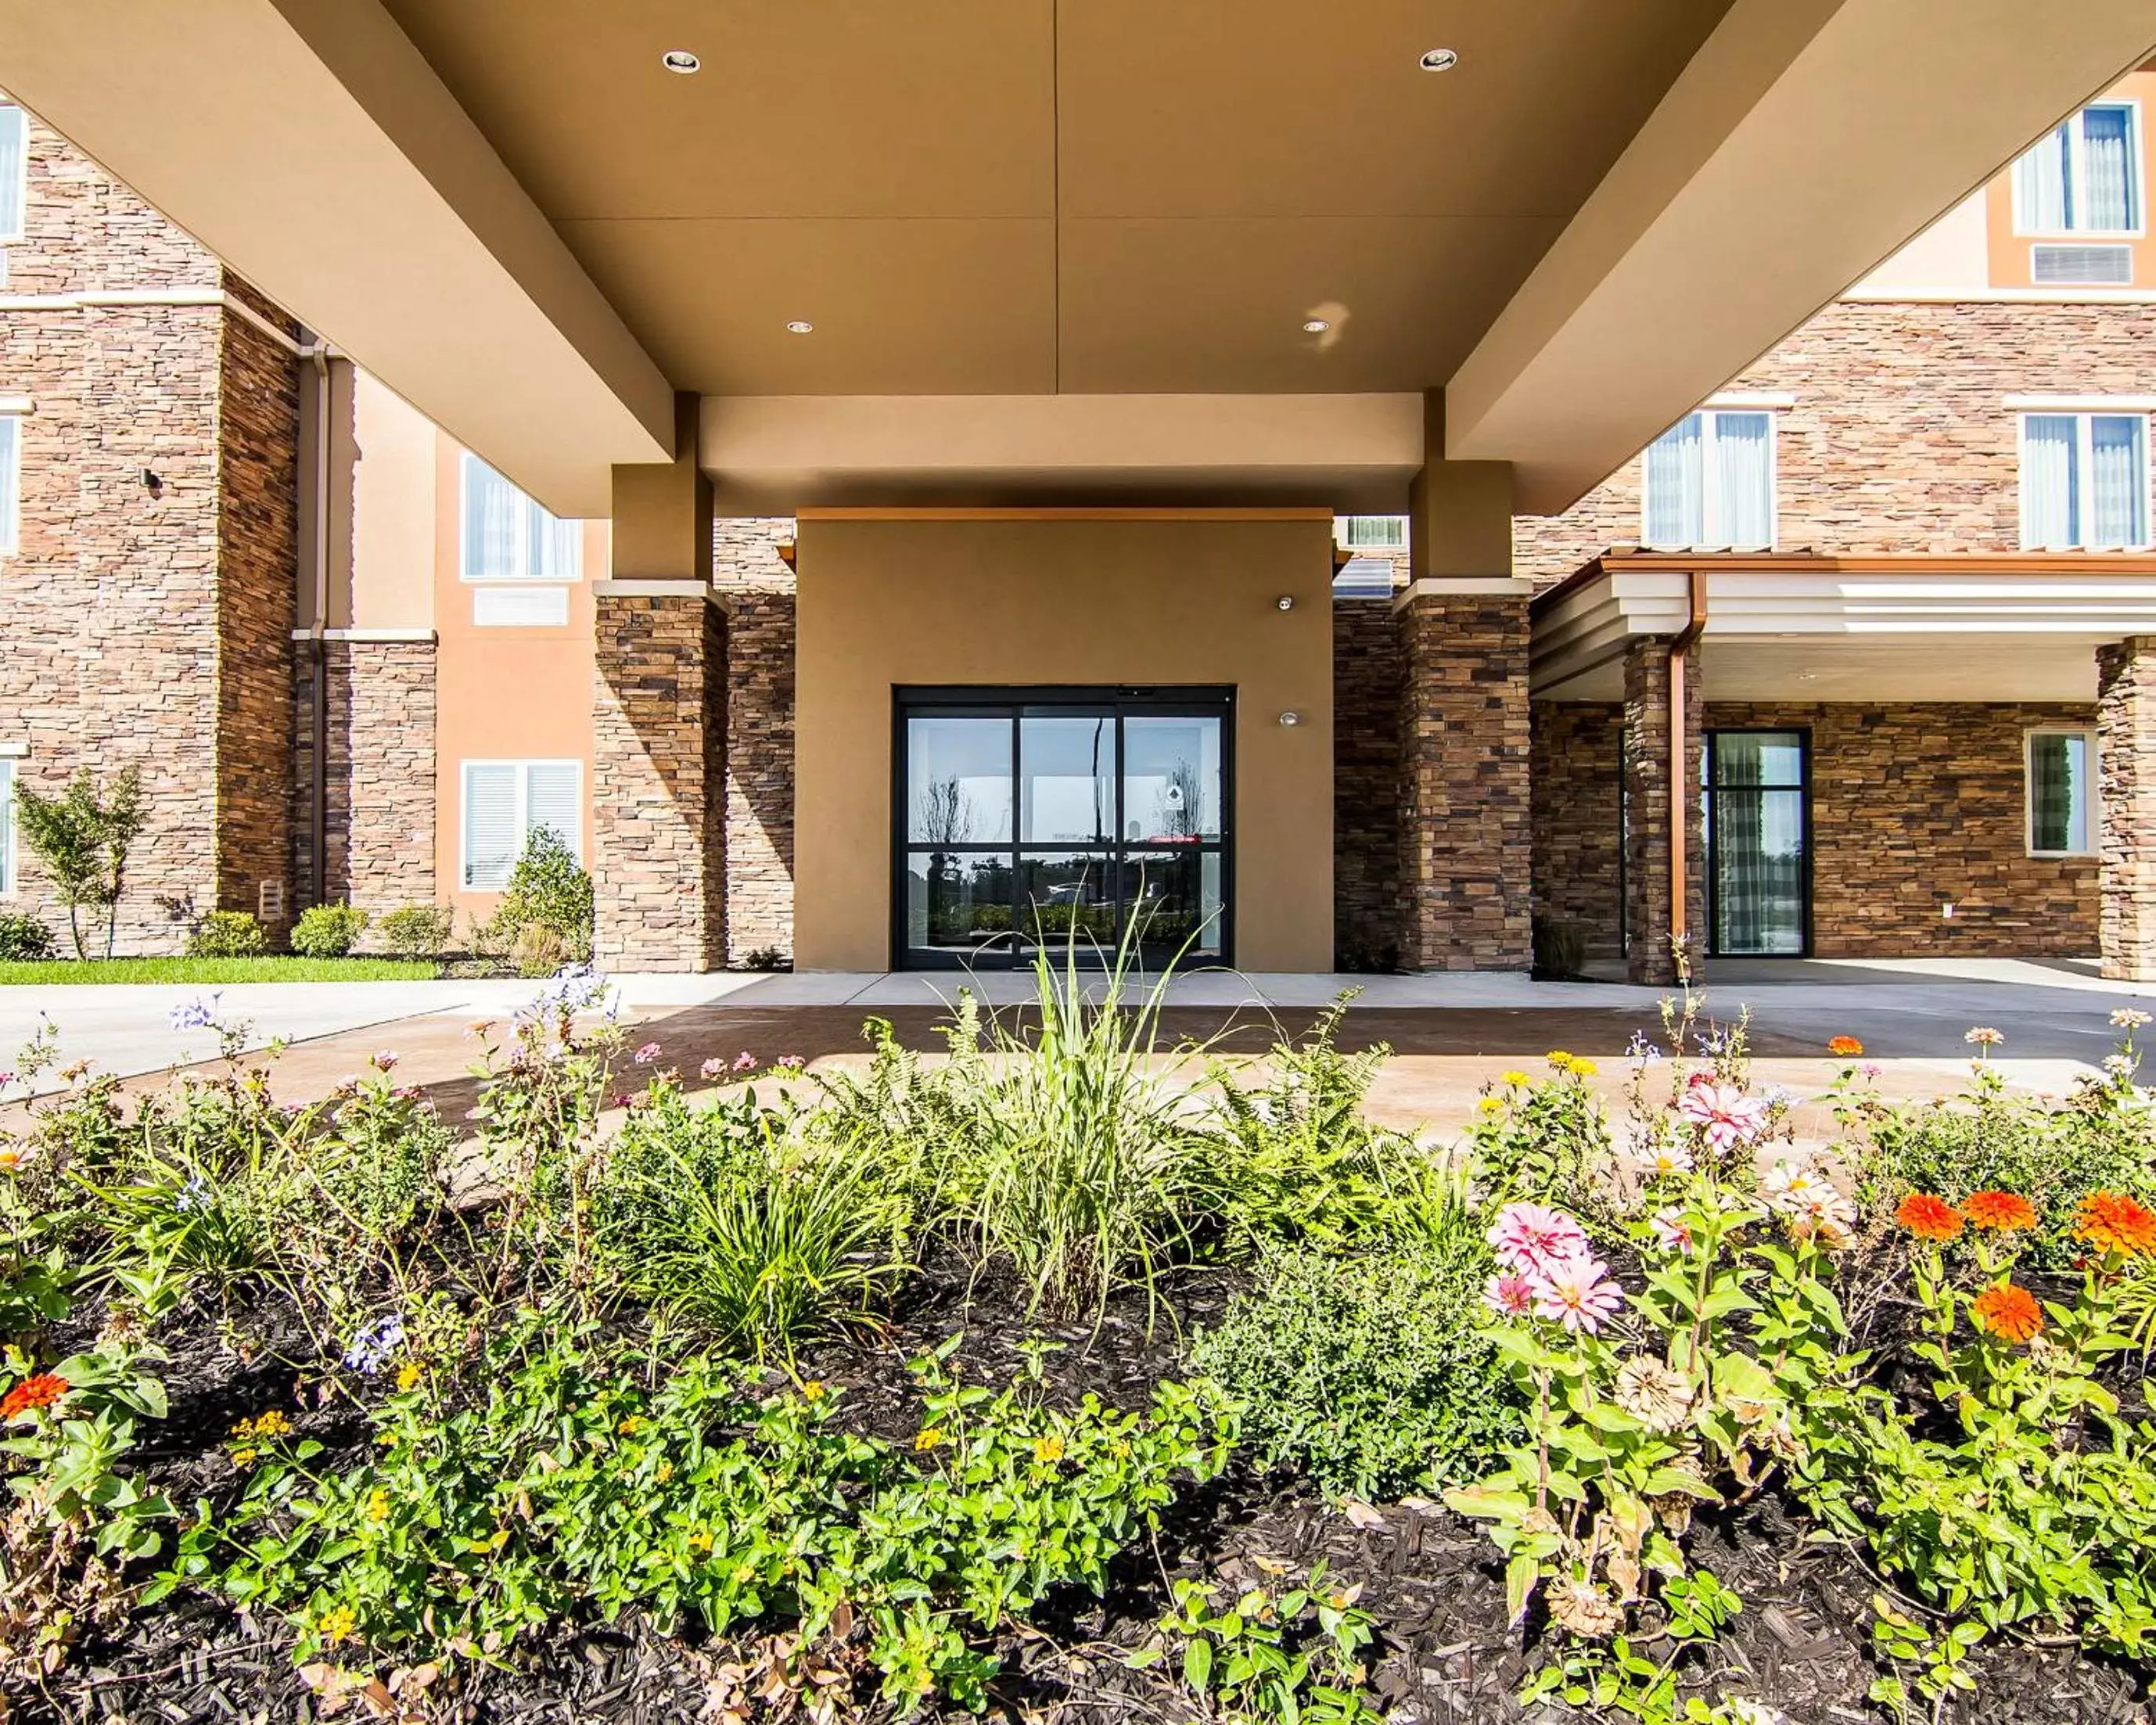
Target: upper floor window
[
  {"x": 1709, "y": 480},
  {"x": 2083, "y": 176},
  {"x": 2084, "y": 481},
  {"x": 14, "y": 170},
  {"x": 11, "y": 478},
  {"x": 1372, "y": 533},
  {"x": 507, "y": 537}
]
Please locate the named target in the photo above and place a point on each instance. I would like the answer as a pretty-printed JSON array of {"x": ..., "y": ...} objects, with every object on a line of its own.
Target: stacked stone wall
[
  {"x": 1578, "y": 756},
  {"x": 1366, "y": 785},
  {"x": 758, "y": 589},
  {"x": 1465, "y": 850}
]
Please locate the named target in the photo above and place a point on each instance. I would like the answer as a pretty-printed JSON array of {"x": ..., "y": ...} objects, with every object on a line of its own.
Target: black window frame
[
  {"x": 1707, "y": 788},
  {"x": 1017, "y": 702}
]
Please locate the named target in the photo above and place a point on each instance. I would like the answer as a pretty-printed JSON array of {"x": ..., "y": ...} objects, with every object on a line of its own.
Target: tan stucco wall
[
  {"x": 389, "y": 536},
  {"x": 1049, "y": 598},
  {"x": 501, "y": 694}
]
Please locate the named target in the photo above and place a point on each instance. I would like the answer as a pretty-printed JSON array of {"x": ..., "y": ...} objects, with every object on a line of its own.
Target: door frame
[
  {"x": 1017, "y": 701},
  {"x": 1707, "y": 791}
]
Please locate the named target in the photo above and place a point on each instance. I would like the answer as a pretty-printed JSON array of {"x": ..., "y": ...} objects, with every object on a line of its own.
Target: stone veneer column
[
  {"x": 1650, "y": 955},
  {"x": 1466, "y": 850},
  {"x": 2126, "y": 747},
  {"x": 379, "y": 803},
  {"x": 659, "y": 778}
]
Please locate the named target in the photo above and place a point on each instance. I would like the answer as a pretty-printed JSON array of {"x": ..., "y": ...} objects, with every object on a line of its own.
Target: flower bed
[{"x": 1027, "y": 1380}]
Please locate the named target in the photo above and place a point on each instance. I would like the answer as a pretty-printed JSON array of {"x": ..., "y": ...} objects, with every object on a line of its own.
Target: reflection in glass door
[
  {"x": 1757, "y": 815},
  {"x": 1033, "y": 816}
]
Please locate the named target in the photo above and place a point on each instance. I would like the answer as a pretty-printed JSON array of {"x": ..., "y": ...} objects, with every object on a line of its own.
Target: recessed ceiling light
[
  {"x": 1439, "y": 60},
  {"x": 799, "y": 326},
  {"x": 1315, "y": 326},
  {"x": 680, "y": 59}
]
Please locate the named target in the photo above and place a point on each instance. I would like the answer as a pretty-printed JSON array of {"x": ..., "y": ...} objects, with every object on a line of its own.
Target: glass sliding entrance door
[
  {"x": 1757, "y": 817},
  {"x": 1027, "y": 817}
]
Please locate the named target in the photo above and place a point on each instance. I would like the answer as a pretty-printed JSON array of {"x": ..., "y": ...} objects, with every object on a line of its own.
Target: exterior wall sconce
[
  {"x": 151, "y": 483},
  {"x": 1286, "y": 602},
  {"x": 1291, "y": 718}
]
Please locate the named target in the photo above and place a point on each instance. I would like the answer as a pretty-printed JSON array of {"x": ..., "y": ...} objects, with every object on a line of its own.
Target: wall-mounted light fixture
[
  {"x": 151, "y": 483},
  {"x": 1286, "y": 602},
  {"x": 1291, "y": 718}
]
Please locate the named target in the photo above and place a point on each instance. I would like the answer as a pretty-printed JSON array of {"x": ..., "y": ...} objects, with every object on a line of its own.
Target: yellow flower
[
  {"x": 378, "y": 1505},
  {"x": 1048, "y": 1449},
  {"x": 665, "y": 1472},
  {"x": 930, "y": 1438},
  {"x": 700, "y": 1539},
  {"x": 336, "y": 1624},
  {"x": 813, "y": 1390},
  {"x": 1583, "y": 1068},
  {"x": 1560, "y": 1061},
  {"x": 1490, "y": 1105},
  {"x": 11, "y": 1158},
  {"x": 240, "y": 1458},
  {"x": 1514, "y": 1079},
  {"x": 408, "y": 1375},
  {"x": 632, "y": 1426},
  {"x": 272, "y": 1424}
]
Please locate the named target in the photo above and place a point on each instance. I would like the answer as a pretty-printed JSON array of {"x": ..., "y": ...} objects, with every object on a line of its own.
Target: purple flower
[
  {"x": 622, "y": 1099},
  {"x": 375, "y": 1345},
  {"x": 647, "y": 1054},
  {"x": 386, "y": 1061},
  {"x": 199, "y": 1014}
]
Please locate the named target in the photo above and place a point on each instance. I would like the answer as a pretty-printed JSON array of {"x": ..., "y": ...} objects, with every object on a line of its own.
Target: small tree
[{"x": 82, "y": 839}]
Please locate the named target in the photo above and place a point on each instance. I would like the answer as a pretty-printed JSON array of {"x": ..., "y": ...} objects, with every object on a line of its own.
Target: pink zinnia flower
[
  {"x": 1576, "y": 1292},
  {"x": 386, "y": 1061},
  {"x": 745, "y": 1061},
  {"x": 1724, "y": 1114},
  {"x": 1671, "y": 1232},
  {"x": 647, "y": 1054},
  {"x": 1509, "y": 1294},
  {"x": 1529, "y": 1236},
  {"x": 713, "y": 1068},
  {"x": 796, "y": 1061}
]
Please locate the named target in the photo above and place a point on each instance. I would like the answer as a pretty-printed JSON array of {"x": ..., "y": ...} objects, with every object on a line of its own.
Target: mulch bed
[{"x": 1445, "y": 1656}]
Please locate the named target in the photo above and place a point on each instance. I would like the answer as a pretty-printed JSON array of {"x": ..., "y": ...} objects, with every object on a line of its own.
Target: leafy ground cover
[
  {"x": 210, "y": 973},
  {"x": 1027, "y": 1381}
]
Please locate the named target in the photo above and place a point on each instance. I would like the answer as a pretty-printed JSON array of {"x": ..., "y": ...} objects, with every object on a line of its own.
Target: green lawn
[{"x": 217, "y": 970}]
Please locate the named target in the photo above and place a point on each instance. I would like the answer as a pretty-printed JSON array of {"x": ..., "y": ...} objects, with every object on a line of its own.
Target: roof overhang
[{"x": 2015, "y": 627}]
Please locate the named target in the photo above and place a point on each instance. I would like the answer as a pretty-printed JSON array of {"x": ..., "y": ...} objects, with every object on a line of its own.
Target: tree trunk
[{"x": 74, "y": 929}]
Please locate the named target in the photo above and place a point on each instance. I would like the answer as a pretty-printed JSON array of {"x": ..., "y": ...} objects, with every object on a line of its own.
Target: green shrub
[
  {"x": 754, "y": 1234},
  {"x": 1369, "y": 1372},
  {"x": 328, "y": 931},
  {"x": 416, "y": 931},
  {"x": 548, "y": 889},
  {"x": 227, "y": 934},
  {"x": 535, "y": 950},
  {"x": 23, "y": 939}
]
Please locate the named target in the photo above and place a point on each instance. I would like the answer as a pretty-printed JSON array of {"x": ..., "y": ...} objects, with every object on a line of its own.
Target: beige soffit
[
  {"x": 309, "y": 145},
  {"x": 1355, "y": 452},
  {"x": 1805, "y": 141}
]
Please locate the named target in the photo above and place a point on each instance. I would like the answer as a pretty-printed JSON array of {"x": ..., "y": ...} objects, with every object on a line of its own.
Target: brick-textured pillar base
[
  {"x": 378, "y": 823},
  {"x": 658, "y": 780},
  {"x": 1465, "y": 844},
  {"x": 2125, "y": 723},
  {"x": 1650, "y": 955}
]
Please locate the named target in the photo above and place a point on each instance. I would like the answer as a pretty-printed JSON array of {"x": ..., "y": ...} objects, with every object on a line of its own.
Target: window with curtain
[
  {"x": 11, "y": 481},
  {"x": 1372, "y": 533},
  {"x": 2062, "y": 778},
  {"x": 1709, "y": 480},
  {"x": 504, "y": 801},
  {"x": 14, "y": 170},
  {"x": 2084, "y": 481},
  {"x": 6, "y": 828},
  {"x": 2084, "y": 176},
  {"x": 507, "y": 537}
]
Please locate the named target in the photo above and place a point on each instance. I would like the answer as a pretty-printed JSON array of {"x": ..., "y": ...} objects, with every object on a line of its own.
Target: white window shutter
[
  {"x": 11, "y": 481},
  {"x": 14, "y": 171},
  {"x": 492, "y": 832},
  {"x": 556, "y": 799}
]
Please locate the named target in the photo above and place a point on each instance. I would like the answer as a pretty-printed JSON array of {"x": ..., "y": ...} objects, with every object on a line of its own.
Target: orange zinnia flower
[
  {"x": 1929, "y": 1217},
  {"x": 1844, "y": 1045},
  {"x": 41, "y": 1391},
  {"x": 2006, "y": 1211},
  {"x": 2007, "y": 1311},
  {"x": 2112, "y": 1222}
]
